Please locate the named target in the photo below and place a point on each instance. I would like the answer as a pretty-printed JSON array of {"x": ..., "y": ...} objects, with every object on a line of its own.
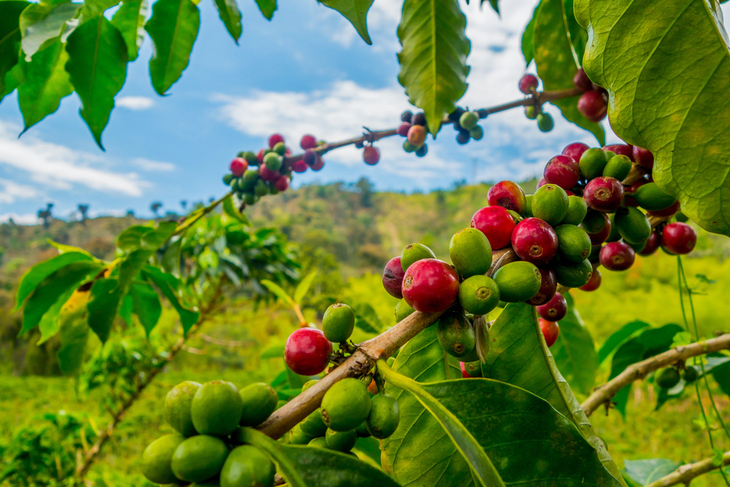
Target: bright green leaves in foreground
[
  {"x": 173, "y": 28},
  {"x": 130, "y": 19},
  {"x": 556, "y": 38},
  {"x": 356, "y": 11},
  {"x": 668, "y": 94},
  {"x": 433, "y": 66},
  {"x": 231, "y": 17},
  {"x": 9, "y": 37}
]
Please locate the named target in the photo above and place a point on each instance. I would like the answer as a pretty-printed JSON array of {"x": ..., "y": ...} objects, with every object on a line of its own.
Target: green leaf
[
  {"x": 173, "y": 28},
  {"x": 126, "y": 309},
  {"x": 528, "y": 39},
  {"x": 42, "y": 23},
  {"x": 13, "y": 78},
  {"x": 518, "y": 355},
  {"x": 231, "y": 17},
  {"x": 657, "y": 104},
  {"x": 131, "y": 238},
  {"x": 92, "y": 8},
  {"x": 356, "y": 11},
  {"x": 722, "y": 377},
  {"x": 74, "y": 333},
  {"x": 104, "y": 302},
  {"x": 62, "y": 249},
  {"x": 130, "y": 19},
  {"x": 619, "y": 337},
  {"x": 230, "y": 209},
  {"x": 304, "y": 466},
  {"x": 39, "y": 272},
  {"x": 50, "y": 322},
  {"x": 664, "y": 395},
  {"x": 647, "y": 471},
  {"x": 267, "y": 8},
  {"x": 303, "y": 287},
  {"x": 574, "y": 352},
  {"x": 171, "y": 258},
  {"x": 557, "y": 62},
  {"x": 274, "y": 351},
  {"x": 493, "y": 3},
  {"x": 98, "y": 67},
  {"x": 130, "y": 266},
  {"x": 168, "y": 285},
  {"x": 404, "y": 455},
  {"x": 46, "y": 84},
  {"x": 146, "y": 305},
  {"x": 158, "y": 236},
  {"x": 367, "y": 319},
  {"x": 53, "y": 287},
  {"x": 278, "y": 291},
  {"x": 9, "y": 37},
  {"x": 433, "y": 66}
]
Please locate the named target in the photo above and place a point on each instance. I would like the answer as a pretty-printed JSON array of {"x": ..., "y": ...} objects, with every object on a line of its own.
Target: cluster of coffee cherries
[
  {"x": 413, "y": 128},
  {"x": 349, "y": 409},
  {"x": 528, "y": 85},
  {"x": 205, "y": 449},
  {"x": 669, "y": 377},
  {"x": 255, "y": 175}
]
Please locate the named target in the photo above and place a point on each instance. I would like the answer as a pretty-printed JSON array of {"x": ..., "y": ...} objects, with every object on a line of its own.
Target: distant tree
[
  {"x": 155, "y": 207},
  {"x": 184, "y": 204},
  {"x": 366, "y": 192},
  {"x": 83, "y": 211},
  {"x": 45, "y": 215},
  {"x": 130, "y": 213}
]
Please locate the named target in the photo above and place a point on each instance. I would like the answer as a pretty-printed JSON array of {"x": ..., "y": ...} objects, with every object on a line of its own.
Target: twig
[
  {"x": 196, "y": 215},
  {"x": 685, "y": 473},
  {"x": 639, "y": 370}
]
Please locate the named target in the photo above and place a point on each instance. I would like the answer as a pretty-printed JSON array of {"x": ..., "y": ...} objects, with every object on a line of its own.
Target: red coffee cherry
[
  {"x": 403, "y": 129},
  {"x": 595, "y": 281},
  {"x": 617, "y": 256},
  {"x": 550, "y": 330},
  {"x": 371, "y": 155},
  {"x": 528, "y": 84},
  {"x": 417, "y": 135},
  {"x": 643, "y": 157},
  {"x": 238, "y": 166},
  {"x": 604, "y": 194},
  {"x": 393, "y": 275},
  {"x": 430, "y": 285},
  {"x": 507, "y": 195},
  {"x": 575, "y": 150},
  {"x": 535, "y": 241},
  {"x": 318, "y": 163},
  {"x": 307, "y": 351},
  {"x": 496, "y": 224},
  {"x": 267, "y": 174},
  {"x": 562, "y": 171},
  {"x": 671, "y": 211},
  {"x": 275, "y": 139},
  {"x": 548, "y": 286},
  {"x": 652, "y": 244},
  {"x": 282, "y": 184},
  {"x": 299, "y": 166},
  {"x": 621, "y": 150},
  {"x": 581, "y": 81},
  {"x": 593, "y": 106},
  {"x": 308, "y": 142},
  {"x": 679, "y": 238},
  {"x": 555, "y": 309}
]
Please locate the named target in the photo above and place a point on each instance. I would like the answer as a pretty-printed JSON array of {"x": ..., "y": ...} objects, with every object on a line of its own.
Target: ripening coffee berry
[
  {"x": 422, "y": 151},
  {"x": 533, "y": 240},
  {"x": 496, "y": 224},
  {"x": 545, "y": 122},
  {"x": 275, "y": 139},
  {"x": 456, "y": 334},
  {"x": 246, "y": 465},
  {"x": 531, "y": 112},
  {"x": 478, "y": 295},
  {"x": 157, "y": 458},
  {"x": 593, "y": 106},
  {"x": 594, "y": 283},
  {"x": 550, "y": 203},
  {"x": 651, "y": 245},
  {"x": 476, "y": 133},
  {"x": 403, "y": 129},
  {"x": 679, "y": 238},
  {"x": 393, "y": 275},
  {"x": 199, "y": 458},
  {"x": 618, "y": 167},
  {"x": 282, "y": 184},
  {"x": 273, "y": 161},
  {"x": 346, "y": 405},
  {"x": 371, "y": 155},
  {"x": 577, "y": 210},
  {"x": 643, "y": 157},
  {"x": 592, "y": 162},
  {"x": 259, "y": 401},
  {"x": 555, "y": 309},
  {"x": 573, "y": 275},
  {"x": 463, "y": 137},
  {"x": 216, "y": 408},
  {"x": 667, "y": 378},
  {"x": 574, "y": 245},
  {"x": 617, "y": 256},
  {"x": 384, "y": 416},
  {"x": 548, "y": 286},
  {"x": 318, "y": 163},
  {"x": 575, "y": 150},
  {"x": 341, "y": 441},
  {"x": 507, "y": 195},
  {"x": 619, "y": 150},
  {"x": 406, "y": 116},
  {"x": 308, "y": 142},
  {"x": 310, "y": 157},
  {"x": 650, "y": 197},
  {"x": 299, "y": 166},
  {"x": 413, "y": 252},
  {"x": 518, "y": 281},
  {"x": 469, "y": 120},
  {"x": 430, "y": 285},
  {"x": 470, "y": 252},
  {"x": 417, "y": 135},
  {"x": 238, "y": 166},
  {"x": 528, "y": 84},
  {"x": 268, "y": 174},
  {"x": 307, "y": 351},
  {"x": 338, "y": 322},
  {"x": 595, "y": 221},
  {"x": 562, "y": 171},
  {"x": 632, "y": 224},
  {"x": 581, "y": 80},
  {"x": 691, "y": 374},
  {"x": 419, "y": 119},
  {"x": 178, "y": 404},
  {"x": 600, "y": 237},
  {"x": 604, "y": 194},
  {"x": 671, "y": 211},
  {"x": 550, "y": 330},
  {"x": 280, "y": 148}
]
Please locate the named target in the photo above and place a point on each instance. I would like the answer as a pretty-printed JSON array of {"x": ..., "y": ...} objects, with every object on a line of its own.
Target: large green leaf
[
  {"x": 173, "y": 28},
  {"x": 510, "y": 424},
  {"x": 278, "y": 291},
  {"x": 557, "y": 61},
  {"x": 9, "y": 37},
  {"x": 104, "y": 302},
  {"x": 303, "y": 287},
  {"x": 53, "y": 287},
  {"x": 667, "y": 94},
  {"x": 528, "y": 40},
  {"x": 50, "y": 322},
  {"x": 574, "y": 351},
  {"x": 130, "y": 266},
  {"x": 131, "y": 237},
  {"x": 420, "y": 452},
  {"x": 356, "y": 11},
  {"x": 647, "y": 471},
  {"x": 41, "y": 271},
  {"x": 130, "y": 19},
  {"x": 169, "y": 285},
  {"x": 98, "y": 67},
  {"x": 304, "y": 466},
  {"x": 650, "y": 342},
  {"x": 433, "y": 66},
  {"x": 146, "y": 305},
  {"x": 46, "y": 83},
  {"x": 74, "y": 333},
  {"x": 230, "y": 16},
  {"x": 13, "y": 78},
  {"x": 42, "y": 23},
  {"x": 519, "y": 356},
  {"x": 620, "y": 336},
  {"x": 267, "y": 8}
]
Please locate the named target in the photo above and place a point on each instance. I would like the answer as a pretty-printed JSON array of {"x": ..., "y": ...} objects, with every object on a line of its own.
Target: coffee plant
[{"x": 464, "y": 389}]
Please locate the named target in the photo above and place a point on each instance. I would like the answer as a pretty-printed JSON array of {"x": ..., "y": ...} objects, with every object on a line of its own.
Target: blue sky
[{"x": 306, "y": 71}]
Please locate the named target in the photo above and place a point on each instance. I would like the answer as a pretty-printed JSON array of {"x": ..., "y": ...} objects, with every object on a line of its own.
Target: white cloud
[
  {"x": 12, "y": 191},
  {"x": 149, "y": 165},
  {"x": 60, "y": 167},
  {"x": 135, "y": 102},
  {"x": 20, "y": 219}
]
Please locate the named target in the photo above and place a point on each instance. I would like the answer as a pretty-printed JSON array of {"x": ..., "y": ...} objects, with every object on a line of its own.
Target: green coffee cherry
[
  {"x": 247, "y": 466},
  {"x": 470, "y": 252},
  {"x": 345, "y": 405},
  {"x": 249, "y": 179},
  {"x": 199, "y": 458},
  {"x": 550, "y": 203},
  {"x": 157, "y": 458},
  {"x": 573, "y": 275},
  {"x": 618, "y": 167},
  {"x": 667, "y": 378},
  {"x": 476, "y": 133},
  {"x": 414, "y": 252},
  {"x": 273, "y": 161},
  {"x": 402, "y": 311},
  {"x": 469, "y": 120},
  {"x": 178, "y": 404},
  {"x": 518, "y": 281},
  {"x": 574, "y": 245},
  {"x": 456, "y": 334},
  {"x": 408, "y": 147},
  {"x": 384, "y": 416},
  {"x": 319, "y": 442},
  {"x": 651, "y": 198},
  {"x": 313, "y": 425},
  {"x": 527, "y": 212},
  {"x": 216, "y": 408},
  {"x": 577, "y": 210},
  {"x": 261, "y": 188},
  {"x": 632, "y": 224},
  {"x": 338, "y": 322},
  {"x": 690, "y": 374},
  {"x": 479, "y": 295},
  {"x": 614, "y": 236},
  {"x": 593, "y": 222},
  {"x": 342, "y": 441},
  {"x": 228, "y": 179},
  {"x": 309, "y": 384},
  {"x": 362, "y": 431},
  {"x": 279, "y": 148},
  {"x": 251, "y": 158},
  {"x": 259, "y": 401},
  {"x": 250, "y": 198},
  {"x": 474, "y": 369},
  {"x": 298, "y": 437},
  {"x": 545, "y": 122},
  {"x": 592, "y": 162},
  {"x": 531, "y": 112}
]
